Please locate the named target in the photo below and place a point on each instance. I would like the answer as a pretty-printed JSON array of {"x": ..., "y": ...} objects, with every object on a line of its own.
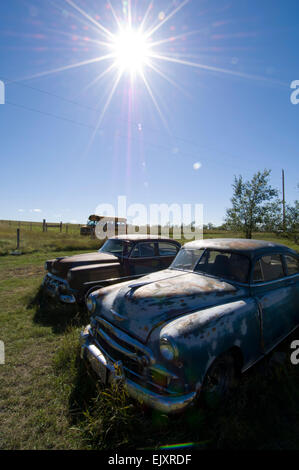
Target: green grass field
[
  {"x": 48, "y": 402},
  {"x": 34, "y": 240}
]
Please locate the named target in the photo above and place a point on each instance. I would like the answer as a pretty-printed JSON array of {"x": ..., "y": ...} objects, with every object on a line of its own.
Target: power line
[
  {"x": 91, "y": 108},
  {"x": 62, "y": 98},
  {"x": 78, "y": 123},
  {"x": 48, "y": 114},
  {"x": 127, "y": 120}
]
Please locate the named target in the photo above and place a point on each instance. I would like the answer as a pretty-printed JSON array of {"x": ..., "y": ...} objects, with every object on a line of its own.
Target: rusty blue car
[{"x": 190, "y": 330}]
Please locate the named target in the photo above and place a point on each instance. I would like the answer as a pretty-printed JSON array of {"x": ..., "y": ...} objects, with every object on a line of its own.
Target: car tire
[{"x": 220, "y": 380}]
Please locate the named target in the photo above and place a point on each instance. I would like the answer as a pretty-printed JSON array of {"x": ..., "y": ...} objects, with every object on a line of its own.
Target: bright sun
[{"x": 131, "y": 50}]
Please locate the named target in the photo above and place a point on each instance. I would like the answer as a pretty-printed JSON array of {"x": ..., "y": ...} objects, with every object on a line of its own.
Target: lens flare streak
[{"x": 130, "y": 50}]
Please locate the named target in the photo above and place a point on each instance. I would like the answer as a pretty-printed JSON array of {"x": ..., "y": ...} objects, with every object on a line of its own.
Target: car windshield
[
  {"x": 216, "y": 263},
  {"x": 187, "y": 259},
  {"x": 116, "y": 247}
]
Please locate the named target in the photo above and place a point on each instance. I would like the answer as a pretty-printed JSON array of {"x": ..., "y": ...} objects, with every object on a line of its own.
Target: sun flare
[
  {"x": 132, "y": 47},
  {"x": 131, "y": 51}
]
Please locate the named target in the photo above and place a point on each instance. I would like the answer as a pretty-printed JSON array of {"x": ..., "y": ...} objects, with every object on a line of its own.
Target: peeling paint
[{"x": 199, "y": 317}]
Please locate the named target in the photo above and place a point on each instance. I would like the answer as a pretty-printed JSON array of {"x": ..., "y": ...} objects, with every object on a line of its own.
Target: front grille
[
  {"x": 119, "y": 346},
  {"x": 109, "y": 340},
  {"x": 54, "y": 285}
]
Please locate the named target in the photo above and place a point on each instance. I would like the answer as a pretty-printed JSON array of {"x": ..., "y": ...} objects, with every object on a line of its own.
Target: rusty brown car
[{"x": 122, "y": 258}]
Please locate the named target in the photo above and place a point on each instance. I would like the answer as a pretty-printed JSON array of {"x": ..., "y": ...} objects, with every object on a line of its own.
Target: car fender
[{"x": 202, "y": 336}]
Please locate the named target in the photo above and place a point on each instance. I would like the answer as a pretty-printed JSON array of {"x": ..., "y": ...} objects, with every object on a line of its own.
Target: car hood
[
  {"x": 137, "y": 307},
  {"x": 60, "y": 266}
]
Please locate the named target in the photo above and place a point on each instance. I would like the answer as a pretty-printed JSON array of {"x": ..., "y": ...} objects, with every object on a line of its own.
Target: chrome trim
[
  {"x": 266, "y": 283},
  {"x": 113, "y": 280},
  {"x": 117, "y": 346},
  {"x": 56, "y": 278},
  {"x": 162, "y": 403},
  {"x": 125, "y": 338},
  {"x": 67, "y": 298},
  {"x": 159, "y": 402},
  {"x": 117, "y": 316}
]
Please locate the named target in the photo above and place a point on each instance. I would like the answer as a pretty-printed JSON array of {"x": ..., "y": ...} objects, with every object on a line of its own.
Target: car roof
[
  {"x": 144, "y": 237},
  {"x": 251, "y": 248}
]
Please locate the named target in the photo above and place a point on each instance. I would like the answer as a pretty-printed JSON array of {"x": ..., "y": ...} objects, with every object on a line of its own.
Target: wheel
[{"x": 219, "y": 380}]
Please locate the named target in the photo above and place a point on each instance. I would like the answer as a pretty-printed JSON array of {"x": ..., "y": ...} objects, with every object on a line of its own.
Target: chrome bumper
[
  {"x": 52, "y": 285},
  {"x": 164, "y": 404}
]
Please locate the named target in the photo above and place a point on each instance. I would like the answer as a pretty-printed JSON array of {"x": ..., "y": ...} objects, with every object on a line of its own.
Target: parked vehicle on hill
[
  {"x": 110, "y": 225},
  {"x": 189, "y": 330},
  {"x": 122, "y": 258}
]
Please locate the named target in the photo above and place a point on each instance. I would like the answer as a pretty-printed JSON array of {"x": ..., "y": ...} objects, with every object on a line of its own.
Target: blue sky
[{"x": 228, "y": 110}]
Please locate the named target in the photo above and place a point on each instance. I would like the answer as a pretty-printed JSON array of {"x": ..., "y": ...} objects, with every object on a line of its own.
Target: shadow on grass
[
  {"x": 109, "y": 419},
  {"x": 60, "y": 317},
  {"x": 262, "y": 413}
]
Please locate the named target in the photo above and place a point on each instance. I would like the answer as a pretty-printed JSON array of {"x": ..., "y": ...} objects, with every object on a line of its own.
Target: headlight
[
  {"x": 168, "y": 349},
  {"x": 69, "y": 276},
  {"x": 46, "y": 266},
  {"x": 91, "y": 303}
]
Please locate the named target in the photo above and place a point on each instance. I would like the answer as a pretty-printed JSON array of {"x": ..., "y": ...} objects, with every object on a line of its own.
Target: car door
[
  {"x": 271, "y": 288},
  {"x": 167, "y": 253},
  {"x": 144, "y": 258}
]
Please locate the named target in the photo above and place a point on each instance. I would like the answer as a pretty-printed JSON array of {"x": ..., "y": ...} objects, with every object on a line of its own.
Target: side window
[
  {"x": 167, "y": 249},
  {"x": 268, "y": 268},
  {"x": 135, "y": 251},
  {"x": 224, "y": 264},
  {"x": 143, "y": 250},
  {"x": 292, "y": 264},
  {"x": 257, "y": 272}
]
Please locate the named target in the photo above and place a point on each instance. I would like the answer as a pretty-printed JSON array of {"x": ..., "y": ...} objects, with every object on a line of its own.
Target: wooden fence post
[
  {"x": 18, "y": 238},
  {"x": 66, "y": 228},
  {"x": 60, "y": 227},
  {"x": 44, "y": 225}
]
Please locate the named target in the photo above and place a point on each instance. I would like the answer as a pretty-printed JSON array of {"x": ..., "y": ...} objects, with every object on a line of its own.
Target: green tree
[
  {"x": 272, "y": 218},
  {"x": 250, "y": 203},
  {"x": 292, "y": 221}
]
